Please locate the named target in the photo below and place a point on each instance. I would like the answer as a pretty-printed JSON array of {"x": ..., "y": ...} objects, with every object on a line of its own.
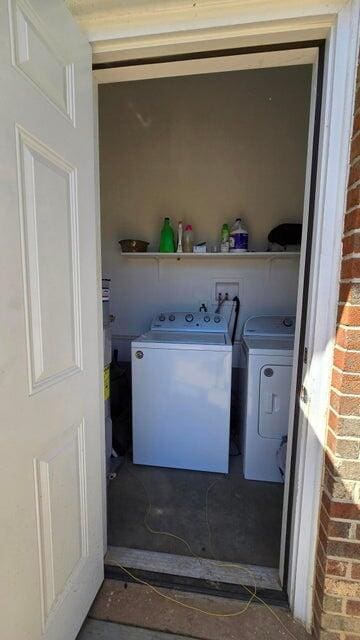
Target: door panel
[
  {"x": 60, "y": 478},
  {"x": 36, "y": 54},
  {"x": 50, "y": 248},
  {"x": 52, "y": 430}
]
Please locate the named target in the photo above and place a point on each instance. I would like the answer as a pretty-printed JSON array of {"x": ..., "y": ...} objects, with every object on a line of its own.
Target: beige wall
[{"x": 203, "y": 149}]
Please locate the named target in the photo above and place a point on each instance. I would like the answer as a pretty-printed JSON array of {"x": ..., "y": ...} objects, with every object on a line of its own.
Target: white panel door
[{"x": 51, "y": 434}]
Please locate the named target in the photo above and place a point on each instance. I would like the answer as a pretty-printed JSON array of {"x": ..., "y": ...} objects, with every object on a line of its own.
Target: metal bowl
[{"x": 133, "y": 246}]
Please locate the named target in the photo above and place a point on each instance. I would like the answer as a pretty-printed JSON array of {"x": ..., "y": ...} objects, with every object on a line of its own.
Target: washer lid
[
  {"x": 185, "y": 337},
  {"x": 270, "y": 326}
]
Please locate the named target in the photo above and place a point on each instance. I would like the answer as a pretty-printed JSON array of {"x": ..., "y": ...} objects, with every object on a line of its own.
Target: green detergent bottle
[{"x": 167, "y": 240}]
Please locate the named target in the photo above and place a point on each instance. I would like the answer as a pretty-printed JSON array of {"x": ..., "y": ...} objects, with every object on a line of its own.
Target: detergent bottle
[
  {"x": 167, "y": 240},
  {"x": 238, "y": 238}
]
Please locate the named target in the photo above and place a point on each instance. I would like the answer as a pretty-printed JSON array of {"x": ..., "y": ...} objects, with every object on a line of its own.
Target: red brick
[
  {"x": 354, "y": 172},
  {"x": 338, "y": 529},
  {"x": 344, "y": 425},
  {"x": 321, "y": 634},
  {"x": 357, "y": 99},
  {"x": 345, "y": 382},
  {"x": 343, "y": 549},
  {"x": 356, "y": 125},
  {"x": 341, "y": 510},
  {"x": 345, "y": 405},
  {"x": 345, "y": 470},
  {"x": 331, "y": 441},
  {"x": 350, "y": 292},
  {"x": 347, "y": 360},
  {"x": 339, "y": 488},
  {"x": 351, "y": 244},
  {"x": 353, "y": 608},
  {"x": 355, "y": 571},
  {"x": 352, "y": 220},
  {"x": 348, "y": 338},
  {"x": 355, "y": 148},
  {"x": 336, "y": 568},
  {"x": 332, "y": 604},
  {"x": 321, "y": 562},
  {"x": 339, "y": 623},
  {"x": 353, "y": 196},
  {"x": 349, "y": 314},
  {"x": 348, "y": 449},
  {"x": 342, "y": 588},
  {"x": 350, "y": 268}
]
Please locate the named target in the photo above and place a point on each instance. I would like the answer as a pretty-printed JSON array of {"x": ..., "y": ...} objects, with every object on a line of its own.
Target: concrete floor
[
  {"x": 244, "y": 516},
  {"x": 136, "y": 606},
  {"x": 100, "y": 630}
]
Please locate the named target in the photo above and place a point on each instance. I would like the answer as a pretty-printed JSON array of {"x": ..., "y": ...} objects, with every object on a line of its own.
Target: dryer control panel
[
  {"x": 270, "y": 326},
  {"x": 189, "y": 321}
]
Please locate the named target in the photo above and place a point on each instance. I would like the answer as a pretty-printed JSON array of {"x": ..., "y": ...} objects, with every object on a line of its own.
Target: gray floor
[
  {"x": 99, "y": 630},
  {"x": 244, "y": 516}
]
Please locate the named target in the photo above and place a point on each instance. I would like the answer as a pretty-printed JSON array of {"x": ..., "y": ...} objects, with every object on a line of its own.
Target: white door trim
[
  {"x": 332, "y": 172},
  {"x": 207, "y": 65},
  {"x": 342, "y": 29}
]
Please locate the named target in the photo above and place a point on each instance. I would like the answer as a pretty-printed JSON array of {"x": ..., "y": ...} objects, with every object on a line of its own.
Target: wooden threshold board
[{"x": 194, "y": 574}]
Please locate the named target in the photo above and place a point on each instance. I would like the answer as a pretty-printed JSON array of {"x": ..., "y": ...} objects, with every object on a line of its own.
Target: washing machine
[
  {"x": 181, "y": 392},
  {"x": 267, "y": 344}
]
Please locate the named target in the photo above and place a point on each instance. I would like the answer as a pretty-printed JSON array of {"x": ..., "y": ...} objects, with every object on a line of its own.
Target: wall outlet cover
[{"x": 231, "y": 286}]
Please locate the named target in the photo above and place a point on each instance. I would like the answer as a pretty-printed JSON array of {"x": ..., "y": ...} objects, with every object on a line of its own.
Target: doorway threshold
[{"x": 197, "y": 575}]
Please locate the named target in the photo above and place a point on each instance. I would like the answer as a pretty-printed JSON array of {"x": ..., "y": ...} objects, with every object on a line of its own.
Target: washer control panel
[{"x": 189, "y": 321}]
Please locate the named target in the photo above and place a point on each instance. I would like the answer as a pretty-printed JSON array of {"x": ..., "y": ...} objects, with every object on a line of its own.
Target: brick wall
[{"x": 337, "y": 586}]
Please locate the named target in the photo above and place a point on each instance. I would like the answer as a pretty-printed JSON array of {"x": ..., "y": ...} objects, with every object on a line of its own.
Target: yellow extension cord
[{"x": 232, "y": 614}]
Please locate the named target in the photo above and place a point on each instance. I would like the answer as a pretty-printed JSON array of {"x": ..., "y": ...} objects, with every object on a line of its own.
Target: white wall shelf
[{"x": 250, "y": 255}]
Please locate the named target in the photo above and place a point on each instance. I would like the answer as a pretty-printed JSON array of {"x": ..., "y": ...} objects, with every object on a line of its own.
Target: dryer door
[{"x": 274, "y": 390}]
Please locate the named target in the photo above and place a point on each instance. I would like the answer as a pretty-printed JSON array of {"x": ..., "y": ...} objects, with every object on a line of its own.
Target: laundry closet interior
[{"x": 199, "y": 347}]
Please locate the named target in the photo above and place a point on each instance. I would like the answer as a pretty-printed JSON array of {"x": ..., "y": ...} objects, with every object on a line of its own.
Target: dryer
[
  {"x": 181, "y": 381},
  {"x": 267, "y": 343}
]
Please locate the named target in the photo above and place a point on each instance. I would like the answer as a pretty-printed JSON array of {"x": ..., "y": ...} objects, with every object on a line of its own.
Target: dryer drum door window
[{"x": 274, "y": 398}]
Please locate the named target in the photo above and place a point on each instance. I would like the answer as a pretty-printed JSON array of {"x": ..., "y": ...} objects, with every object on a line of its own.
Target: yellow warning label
[{"x": 107, "y": 382}]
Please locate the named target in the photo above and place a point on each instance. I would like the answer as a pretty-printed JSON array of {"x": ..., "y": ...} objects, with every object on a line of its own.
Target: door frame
[{"x": 340, "y": 29}]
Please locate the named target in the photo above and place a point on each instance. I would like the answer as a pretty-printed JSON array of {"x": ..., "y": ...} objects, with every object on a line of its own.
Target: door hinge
[
  {"x": 304, "y": 395},
  {"x": 305, "y": 355}
]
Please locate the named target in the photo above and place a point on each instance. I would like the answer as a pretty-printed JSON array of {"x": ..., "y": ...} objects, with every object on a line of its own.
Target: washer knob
[
  {"x": 206, "y": 318},
  {"x": 189, "y": 317},
  {"x": 172, "y": 317},
  {"x": 217, "y": 319},
  {"x": 162, "y": 317},
  {"x": 287, "y": 322}
]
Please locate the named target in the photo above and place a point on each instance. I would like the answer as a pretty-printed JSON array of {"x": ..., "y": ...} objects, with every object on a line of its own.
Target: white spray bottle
[{"x": 180, "y": 233}]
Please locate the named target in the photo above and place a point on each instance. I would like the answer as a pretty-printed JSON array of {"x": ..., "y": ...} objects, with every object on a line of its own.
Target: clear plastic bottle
[{"x": 188, "y": 239}]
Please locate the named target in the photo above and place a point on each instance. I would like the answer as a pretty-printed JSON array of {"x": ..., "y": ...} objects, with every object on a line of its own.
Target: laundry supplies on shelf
[
  {"x": 188, "y": 241},
  {"x": 167, "y": 240},
  {"x": 225, "y": 239},
  {"x": 238, "y": 238}
]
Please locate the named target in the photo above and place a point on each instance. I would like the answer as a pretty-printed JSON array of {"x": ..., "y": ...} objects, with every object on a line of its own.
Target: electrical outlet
[{"x": 230, "y": 286}]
